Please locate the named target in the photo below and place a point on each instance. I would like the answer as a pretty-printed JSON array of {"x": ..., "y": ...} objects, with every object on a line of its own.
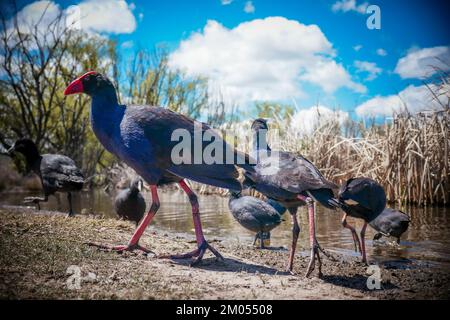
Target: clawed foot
[
  {"x": 291, "y": 272},
  {"x": 34, "y": 200},
  {"x": 121, "y": 248},
  {"x": 312, "y": 262},
  {"x": 197, "y": 254},
  {"x": 326, "y": 254}
]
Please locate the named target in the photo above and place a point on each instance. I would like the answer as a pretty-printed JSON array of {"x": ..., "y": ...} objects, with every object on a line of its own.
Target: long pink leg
[
  {"x": 295, "y": 232},
  {"x": 133, "y": 244},
  {"x": 202, "y": 245},
  {"x": 354, "y": 234},
  {"x": 363, "y": 242},
  {"x": 312, "y": 237}
]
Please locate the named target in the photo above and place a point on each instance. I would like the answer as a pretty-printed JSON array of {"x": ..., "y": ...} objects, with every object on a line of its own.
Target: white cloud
[
  {"x": 249, "y": 7},
  {"x": 42, "y": 12},
  {"x": 263, "y": 59},
  {"x": 41, "y": 15},
  {"x": 305, "y": 121},
  {"x": 109, "y": 16},
  {"x": 349, "y": 5},
  {"x": 421, "y": 63},
  {"x": 357, "y": 47},
  {"x": 414, "y": 98},
  {"x": 368, "y": 67},
  {"x": 226, "y": 2},
  {"x": 381, "y": 52},
  {"x": 330, "y": 76}
]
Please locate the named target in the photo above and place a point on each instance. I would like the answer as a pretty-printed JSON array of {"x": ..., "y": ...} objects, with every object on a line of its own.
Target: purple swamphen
[
  {"x": 364, "y": 198},
  {"x": 141, "y": 137},
  {"x": 292, "y": 181}
]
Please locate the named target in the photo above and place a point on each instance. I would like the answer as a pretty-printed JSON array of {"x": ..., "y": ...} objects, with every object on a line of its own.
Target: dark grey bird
[
  {"x": 390, "y": 223},
  {"x": 254, "y": 214},
  {"x": 57, "y": 173},
  {"x": 129, "y": 203},
  {"x": 364, "y": 198},
  {"x": 291, "y": 180}
]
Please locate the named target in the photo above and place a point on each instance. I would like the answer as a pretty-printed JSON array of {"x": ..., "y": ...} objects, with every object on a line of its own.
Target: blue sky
[{"x": 369, "y": 58}]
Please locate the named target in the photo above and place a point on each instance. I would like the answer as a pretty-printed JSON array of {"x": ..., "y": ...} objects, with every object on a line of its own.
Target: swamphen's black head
[
  {"x": 260, "y": 124},
  {"x": 26, "y": 147},
  {"x": 92, "y": 83}
]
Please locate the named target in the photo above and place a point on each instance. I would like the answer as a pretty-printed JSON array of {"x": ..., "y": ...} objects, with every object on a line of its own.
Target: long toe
[
  {"x": 310, "y": 268},
  {"x": 199, "y": 259},
  {"x": 215, "y": 252},
  {"x": 197, "y": 254},
  {"x": 326, "y": 254},
  {"x": 30, "y": 200},
  {"x": 312, "y": 262},
  {"x": 120, "y": 248},
  {"x": 188, "y": 255}
]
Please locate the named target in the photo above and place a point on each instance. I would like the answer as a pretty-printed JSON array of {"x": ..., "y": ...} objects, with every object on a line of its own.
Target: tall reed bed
[{"x": 408, "y": 155}]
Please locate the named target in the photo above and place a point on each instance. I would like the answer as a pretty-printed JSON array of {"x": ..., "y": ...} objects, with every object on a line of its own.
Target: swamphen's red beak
[{"x": 76, "y": 86}]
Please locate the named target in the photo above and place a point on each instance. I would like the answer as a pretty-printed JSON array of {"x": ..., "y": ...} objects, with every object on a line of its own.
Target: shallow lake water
[{"x": 427, "y": 240}]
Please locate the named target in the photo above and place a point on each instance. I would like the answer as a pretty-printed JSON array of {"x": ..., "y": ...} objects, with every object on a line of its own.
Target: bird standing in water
[
  {"x": 143, "y": 137},
  {"x": 365, "y": 199},
  {"x": 292, "y": 181},
  {"x": 129, "y": 203},
  {"x": 57, "y": 173},
  {"x": 390, "y": 223},
  {"x": 254, "y": 214}
]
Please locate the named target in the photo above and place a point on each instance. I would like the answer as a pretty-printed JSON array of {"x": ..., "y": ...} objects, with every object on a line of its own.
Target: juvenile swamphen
[
  {"x": 255, "y": 214},
  {"x": 365, "y": 199},
  {"x": 141, "y": 136},
  {"x": 390, "y": 223},
  {"x": 57, "y": 173},
  {"x": 291, "y": 180},
  {"x": 129, "y": 203}
]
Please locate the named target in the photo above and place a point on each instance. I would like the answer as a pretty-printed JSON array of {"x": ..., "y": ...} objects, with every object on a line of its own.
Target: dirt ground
[{"x": 43, "y": 255}]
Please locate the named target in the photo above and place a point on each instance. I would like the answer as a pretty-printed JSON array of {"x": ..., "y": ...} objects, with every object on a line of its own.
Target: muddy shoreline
[{"x": 37, "y": 249}]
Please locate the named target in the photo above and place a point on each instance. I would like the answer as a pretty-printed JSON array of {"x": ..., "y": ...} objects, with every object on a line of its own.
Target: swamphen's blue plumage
[{"x": 141, "y": 136}]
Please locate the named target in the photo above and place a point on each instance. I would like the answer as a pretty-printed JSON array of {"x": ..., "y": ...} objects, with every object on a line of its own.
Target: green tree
[{"x": 36, "y": 64}]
